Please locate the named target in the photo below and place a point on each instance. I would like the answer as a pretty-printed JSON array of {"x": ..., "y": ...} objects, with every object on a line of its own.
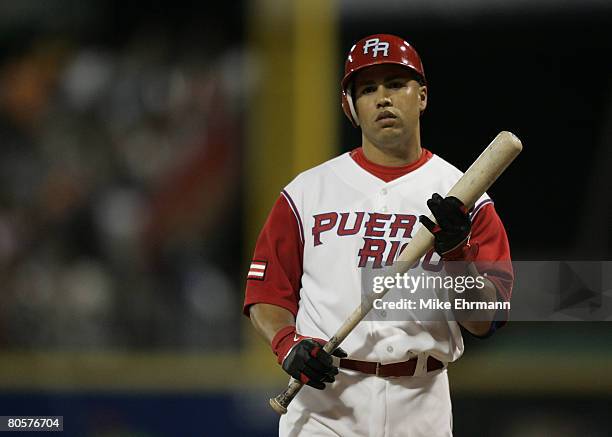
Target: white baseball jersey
[
  {"x": 347, "y": 218},
  {"x": 352, "y": 218}
]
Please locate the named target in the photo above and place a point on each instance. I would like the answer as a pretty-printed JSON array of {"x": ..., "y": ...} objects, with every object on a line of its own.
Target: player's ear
[{"x": 422, "y": 97}]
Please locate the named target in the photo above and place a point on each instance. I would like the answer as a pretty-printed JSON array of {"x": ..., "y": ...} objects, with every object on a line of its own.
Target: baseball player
[{"x": 355, "y": 211}]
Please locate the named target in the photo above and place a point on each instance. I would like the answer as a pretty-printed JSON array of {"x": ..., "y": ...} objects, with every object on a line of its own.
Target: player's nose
[{"x": 383, "y": 101}]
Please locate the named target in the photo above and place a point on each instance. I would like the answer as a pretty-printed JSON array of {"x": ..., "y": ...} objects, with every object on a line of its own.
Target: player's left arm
[
  {"x": 493, "y": 260},
  {"x": 475, "y": 244}
]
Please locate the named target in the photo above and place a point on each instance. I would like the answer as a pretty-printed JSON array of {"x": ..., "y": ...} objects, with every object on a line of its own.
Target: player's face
[{"x": 389, "y": 101}]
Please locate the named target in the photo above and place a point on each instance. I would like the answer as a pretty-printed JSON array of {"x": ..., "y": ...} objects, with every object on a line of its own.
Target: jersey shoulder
[
  {"x": 444, "y": 167},
  {"x": 315, "y": 175}
]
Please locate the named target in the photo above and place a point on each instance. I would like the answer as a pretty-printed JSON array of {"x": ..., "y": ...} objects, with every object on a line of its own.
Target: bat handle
[{"x": 282, "y": 401}]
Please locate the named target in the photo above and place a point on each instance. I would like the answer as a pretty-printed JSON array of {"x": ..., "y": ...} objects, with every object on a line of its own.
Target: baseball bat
[{"x": 475, "y": 181}]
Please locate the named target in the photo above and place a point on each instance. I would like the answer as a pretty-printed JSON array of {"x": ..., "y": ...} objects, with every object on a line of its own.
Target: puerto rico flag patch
[{"x": 258, "y": 270}]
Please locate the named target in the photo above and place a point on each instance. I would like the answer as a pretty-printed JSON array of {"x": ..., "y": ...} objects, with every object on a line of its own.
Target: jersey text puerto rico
[{"x": 380, "y": 229}]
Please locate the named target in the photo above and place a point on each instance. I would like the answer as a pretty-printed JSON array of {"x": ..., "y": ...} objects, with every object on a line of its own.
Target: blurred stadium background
[{"x": 142, "y": 145}]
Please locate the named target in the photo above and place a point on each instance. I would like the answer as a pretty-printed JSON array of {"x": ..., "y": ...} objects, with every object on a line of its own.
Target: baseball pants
[{"x": 367, "y": 405}]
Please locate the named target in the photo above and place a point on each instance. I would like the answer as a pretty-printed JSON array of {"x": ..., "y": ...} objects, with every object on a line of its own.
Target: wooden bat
[{"x": 477, "y": 179}]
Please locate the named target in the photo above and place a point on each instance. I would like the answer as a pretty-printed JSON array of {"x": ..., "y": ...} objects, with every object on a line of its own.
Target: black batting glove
[
  {"x": 304, "y": 358},
  {"x": 452, "y": 232},
  {"x": 310, "y": 364}
]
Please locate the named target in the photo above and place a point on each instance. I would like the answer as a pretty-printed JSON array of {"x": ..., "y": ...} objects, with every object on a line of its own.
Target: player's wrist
[
  {"x": 459, "y": 260},
  {"x": 283, "y": 341},
  {"x": 464, "y": 251}
]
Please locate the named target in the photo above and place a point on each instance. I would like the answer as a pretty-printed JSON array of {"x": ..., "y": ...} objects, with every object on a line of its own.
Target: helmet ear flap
[
  {"x": 349, "y": 107},
  {"x": 349, "y": 100}
]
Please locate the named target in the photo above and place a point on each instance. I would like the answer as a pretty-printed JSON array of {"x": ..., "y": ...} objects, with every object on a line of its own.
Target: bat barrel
[{"x": 487, "y": 168}]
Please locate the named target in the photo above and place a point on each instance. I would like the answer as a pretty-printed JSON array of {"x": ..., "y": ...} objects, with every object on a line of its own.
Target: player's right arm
[{"x": 272, "y": 296}]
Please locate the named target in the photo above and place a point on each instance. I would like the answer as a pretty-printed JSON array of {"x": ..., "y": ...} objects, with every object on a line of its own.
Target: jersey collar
[{"x": 385, "y": 173}]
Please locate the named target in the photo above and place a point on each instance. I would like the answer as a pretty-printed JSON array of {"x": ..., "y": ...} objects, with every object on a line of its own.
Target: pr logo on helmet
[{"x": 377, "y": 46}]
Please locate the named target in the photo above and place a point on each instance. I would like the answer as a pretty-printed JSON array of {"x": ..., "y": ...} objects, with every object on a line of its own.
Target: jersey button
[
  {"x": 389, "y": 349},
  {"x": 383, "y": 209},
  {"x": 383, "y": 191}
]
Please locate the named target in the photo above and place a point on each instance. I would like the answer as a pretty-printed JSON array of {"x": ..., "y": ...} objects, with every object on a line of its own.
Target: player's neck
[{"x": 392, "y": 156}]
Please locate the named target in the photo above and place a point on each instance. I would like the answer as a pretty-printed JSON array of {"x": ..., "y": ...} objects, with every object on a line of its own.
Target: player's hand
[
  {"x": 304, "y": 358},
  {"x": 452, "y": 232}
]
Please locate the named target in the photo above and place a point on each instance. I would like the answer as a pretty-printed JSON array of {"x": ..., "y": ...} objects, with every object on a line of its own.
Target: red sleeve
[
  {"x": 275, "y": 272},
  {"x": 493, "y": 256},
  {"x": 494, "y": 251}
]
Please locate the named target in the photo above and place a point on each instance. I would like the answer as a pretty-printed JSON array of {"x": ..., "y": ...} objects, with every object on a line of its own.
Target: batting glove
[
  {"x": 304, "y": 358},
  {"x": 452, "y": 232}
]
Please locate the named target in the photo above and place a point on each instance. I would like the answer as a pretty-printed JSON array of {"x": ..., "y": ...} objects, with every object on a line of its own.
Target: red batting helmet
[{"x": 374, "y": 50}]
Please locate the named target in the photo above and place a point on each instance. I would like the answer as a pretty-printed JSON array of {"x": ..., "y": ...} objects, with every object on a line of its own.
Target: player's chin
[{"x": 389, "y": 134}]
